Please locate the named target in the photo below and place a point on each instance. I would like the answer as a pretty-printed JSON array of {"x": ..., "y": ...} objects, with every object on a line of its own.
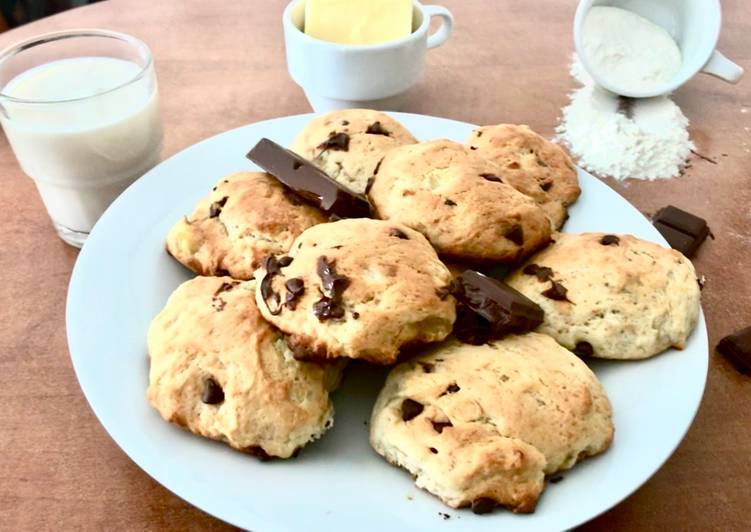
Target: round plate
[{"x": 123, "y": 277}]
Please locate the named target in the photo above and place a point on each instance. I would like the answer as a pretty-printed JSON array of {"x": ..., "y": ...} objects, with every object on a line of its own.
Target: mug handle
[
  {"x": 723, "y": 68},
  {"x": 444, "y": 30}
]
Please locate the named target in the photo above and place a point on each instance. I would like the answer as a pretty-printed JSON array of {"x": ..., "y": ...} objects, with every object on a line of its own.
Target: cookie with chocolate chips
[
  {"x": 348, "y": 144},
  {"x": 459, "y": 201},
  {"x": 482, "y": 426},
  {"x": 359, "y": 288},
  {"x": 221, "y": 371},
  {"x": 611, "y": 296},
  {"x": 246, "y": 217},
  {"x": 532, "y": 165}
]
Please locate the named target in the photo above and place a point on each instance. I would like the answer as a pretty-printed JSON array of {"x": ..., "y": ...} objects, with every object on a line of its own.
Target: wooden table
[{"x": 221, "y": 65}]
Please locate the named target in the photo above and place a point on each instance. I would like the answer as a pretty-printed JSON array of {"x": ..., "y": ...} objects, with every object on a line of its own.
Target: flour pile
[{"x": 652, "y": 142}]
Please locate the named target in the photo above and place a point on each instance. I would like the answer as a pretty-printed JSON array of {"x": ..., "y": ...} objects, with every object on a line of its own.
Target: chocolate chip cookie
[
  {"x": 459, "y": 201},
  {"x": 246, "y": 216},
  {"x": 357, "y": 288},
  {"x": 348, "y": 144},
  {"x": 483, "y": 425},
  {"x": 532, "y": 165},
  {"x": 221, "y": 371},
  {"x": 612, "y": 296}
]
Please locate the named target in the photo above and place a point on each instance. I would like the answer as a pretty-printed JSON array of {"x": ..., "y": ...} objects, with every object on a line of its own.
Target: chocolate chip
[
  {"x": 333, "y": 284},
  {"x": 212, "y": 393},
  {"x": 295, "y": 289},
  {"x": 473, "y": 148},
  {"x": 438, "y": 426},
  {"x": 273, "y": 268},
  {"x": 479, "y": 134},
  {"x": 547, "y": 185},
  {"x": 433, "y": 450},
  {"x": 284, "y": 261},
  {"x": 258, "y": 452},
  {"x": 345, "y": 122},
  {"x": 491, "y": 177},
  {"x": 483, "y": 505},
  {"x": 449, "y": 202},
  {"x": 427, "y": 367},
  {"x": 557, "y": 292},
  {"x": 516, "y": 235},
  {"x": 610, "y": 240},
  {"x": 216, "y": 207},
  {"x": 355, "y": 315},
  {"x": 583, "y": 349},
  {"x": 543, "y": 273},
  {"x": 398, "y": 233},
  {"x": 377, "y": 129},
  {"x": 326, "y": 309},
  {"x": 335, "y": 142},
  {"x": 411, "y": 409},
  {"x": 452, "y": 388}
]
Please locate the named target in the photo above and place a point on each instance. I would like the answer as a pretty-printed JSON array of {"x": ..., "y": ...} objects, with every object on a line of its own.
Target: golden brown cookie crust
[
  {"x": 532, "y": 165},
  {"x": 624, "y": 299},
  {"x": 491, "y": 421},
  {"x": 394, "y": 292},
  {"x": 459, "y": 202},
  {"x": 246, "y": 217},
  {"x": 271, "y": 404},
  {"x": 370, "y": 134}
]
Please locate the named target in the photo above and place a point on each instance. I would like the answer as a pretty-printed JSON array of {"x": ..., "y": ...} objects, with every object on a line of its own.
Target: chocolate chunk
[
  {"x": 516, "y": 235},
  {"x": 556, "y": 292},
  {"x": 216, "y": 207},
  {"x": 326, "y": 308},
  {"x": 547, "y": 185},
  {"x": 309, "y": 182},
  {"x": 449, "y": 202},
  {"x": 377, "y": 129},
  {"x": 355, "y": 315},
  {"x": 683, "y": 231},
  {"x": 491, "y": 177},
  {"x": 438, "y": 426},
  {"x": 433, "y": 450},
  {"x": 212, "y": 393},
  {"x": 737, "y": 348},
  {"x": 284, "y": 261},
  {"x": 398, "y": 233},
  {"x": 583, "y": 349},
  {"x": 332, "y": 284},
  {"x": 489, "y": 309},
  {"x": 295, "y": 289},
  {"x": 452, "y": 388},
  {"x": 427, "y": 367},
  {"x": 273, "y": 268},
  {"x": 543, "y": 273},
  {"x": 610, "y": 240},
  {"x": 483, "y": 505},
  {"x": 335, "y": 142},
  {"x": 411, "y": 409}
]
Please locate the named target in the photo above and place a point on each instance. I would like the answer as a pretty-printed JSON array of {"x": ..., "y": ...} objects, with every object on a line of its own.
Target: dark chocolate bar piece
[
  {"x": 308, "y": 181},
  {"x": 489, "y": 309},
  {"x": 683, "y": 231},
  {"x": 737, "y": 348}
]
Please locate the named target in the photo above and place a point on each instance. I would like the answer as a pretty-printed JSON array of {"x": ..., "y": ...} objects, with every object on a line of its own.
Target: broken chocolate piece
[
  {"x": 411, "y": 409},
  {"x": 489, "y": 309},
  {"x": 491, "y": 177},
  {"x": 583, "y": 349},
  {"x": 377, "y": 129},
  {"x": 543, "y": 273},
  {"x": 295, "y": 289},
  {"x": 683, "y": 231},
  {"x": 212, "y": 393},
  {"x": 398, "y": 233},
  {"x": 216, "y": 207},
  {"x": 308, "y": 181},
  {"x": 556, "y": 292},
  {"x": 483, "y": 505},
  {"x": 516, "y": 235},
  {"x": 610, "y": 240},
  {"x": 737, "y": 348},
  {"x": 336, "y": 142}
]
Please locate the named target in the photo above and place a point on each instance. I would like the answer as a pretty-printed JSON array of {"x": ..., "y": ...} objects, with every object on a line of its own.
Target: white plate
[{"x": 123, "y": 277}]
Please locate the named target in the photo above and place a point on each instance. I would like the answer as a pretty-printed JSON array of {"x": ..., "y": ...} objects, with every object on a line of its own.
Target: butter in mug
[{"x": 358, "y": 21}]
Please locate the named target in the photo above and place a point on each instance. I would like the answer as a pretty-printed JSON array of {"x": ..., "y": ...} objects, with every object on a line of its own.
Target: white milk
[{"x": 82, "y": 153}]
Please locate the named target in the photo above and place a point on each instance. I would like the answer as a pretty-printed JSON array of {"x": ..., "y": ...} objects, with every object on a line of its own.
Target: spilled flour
[{"x": 648, "y": 141}]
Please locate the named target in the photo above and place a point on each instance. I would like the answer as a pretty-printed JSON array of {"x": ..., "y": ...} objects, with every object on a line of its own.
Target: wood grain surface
[{"x": 221, "y": 65}]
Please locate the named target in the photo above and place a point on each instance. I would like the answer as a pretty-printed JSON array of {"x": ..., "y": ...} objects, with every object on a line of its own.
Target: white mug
[
  {"x": 340, "y": 76},
  {"x": 693, "y": 24}
]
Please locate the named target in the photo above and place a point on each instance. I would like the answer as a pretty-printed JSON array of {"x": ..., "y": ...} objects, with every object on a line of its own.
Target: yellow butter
[{"x": 358, "y": 21}]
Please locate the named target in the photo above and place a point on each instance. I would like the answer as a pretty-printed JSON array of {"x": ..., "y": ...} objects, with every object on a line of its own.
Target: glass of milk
[{"x": 80, "y": 110}]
